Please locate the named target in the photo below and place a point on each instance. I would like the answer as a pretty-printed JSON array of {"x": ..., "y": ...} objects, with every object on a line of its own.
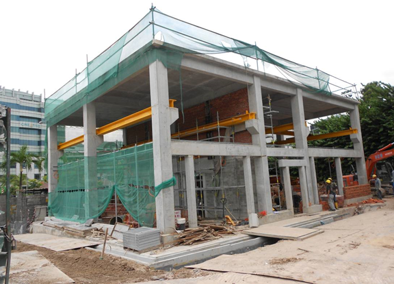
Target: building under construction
[{"x": 198, "y": 129}]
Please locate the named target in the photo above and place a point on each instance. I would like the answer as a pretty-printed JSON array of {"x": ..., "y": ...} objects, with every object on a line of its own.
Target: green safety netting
[
  {"x": 129, "y": 172},
  {"x": 134, "y": 51}
]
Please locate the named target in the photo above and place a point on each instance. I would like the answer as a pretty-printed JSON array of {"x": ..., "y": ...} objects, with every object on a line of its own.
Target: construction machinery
[{"x": 375, "y": 164}]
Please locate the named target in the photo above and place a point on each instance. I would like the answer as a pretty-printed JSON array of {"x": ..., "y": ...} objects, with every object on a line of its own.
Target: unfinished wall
[
  {"x": 356, "y": 191},
  {"x": 218, "y": 182},
  {"x": 225, "y": 106}
]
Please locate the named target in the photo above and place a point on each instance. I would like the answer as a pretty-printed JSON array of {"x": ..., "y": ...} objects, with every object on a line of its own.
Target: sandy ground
[
  {"x": 85, "y": 266},
  {"x": 358, "y": 250}
]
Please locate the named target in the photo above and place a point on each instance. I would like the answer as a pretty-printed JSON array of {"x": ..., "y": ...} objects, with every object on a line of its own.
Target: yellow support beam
[
  {"x": 70, "y": 143},
  {"x": 321, "y": 136},
  {"x": 132, "y": 119},
  {"x": 207, "y": 127},
  {"x": 280, "y": 128},
  {"x": 212, "y": 126}
]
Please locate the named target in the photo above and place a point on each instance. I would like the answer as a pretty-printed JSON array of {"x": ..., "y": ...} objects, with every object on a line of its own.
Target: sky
[{"x": 43, "y": 42}]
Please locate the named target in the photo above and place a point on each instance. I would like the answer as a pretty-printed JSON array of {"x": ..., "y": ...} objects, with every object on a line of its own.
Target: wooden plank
[
  {"x": 286, "y": 233},
  {"x": 53, "y": 242}
]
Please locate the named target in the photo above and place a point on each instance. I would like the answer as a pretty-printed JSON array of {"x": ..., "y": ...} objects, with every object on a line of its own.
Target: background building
[{"x": 27, "y": 127}]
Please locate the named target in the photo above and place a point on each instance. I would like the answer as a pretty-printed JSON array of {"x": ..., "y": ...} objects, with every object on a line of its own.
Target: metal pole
[
  {"x": 8, "y": 211},
  {"x": 116, "y": 197}
]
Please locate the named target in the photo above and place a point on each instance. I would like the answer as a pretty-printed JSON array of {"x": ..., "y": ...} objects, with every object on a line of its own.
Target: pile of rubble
[
  {"x": 368, "y": 201},
  {"x": 200, "y": 234}
]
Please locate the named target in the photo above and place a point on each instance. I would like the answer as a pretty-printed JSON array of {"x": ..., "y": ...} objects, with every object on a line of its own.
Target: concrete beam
[
  {"x": 162, "y": 159},
  {"x": 291, "y": 163},
  {"x": 333, "y": 100},
  {"x": 203, "y": 148},
  {"x": 338, "y": 169},
  {"x": 191, "y": 191},
  {"x": 285, "y": 152},
  {"x": 332, "y": 153},
  {"x": 201, "y": 65}
]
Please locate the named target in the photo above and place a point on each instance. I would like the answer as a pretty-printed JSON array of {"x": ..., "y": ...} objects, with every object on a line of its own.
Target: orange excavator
[{"x": 383, "y": 170}]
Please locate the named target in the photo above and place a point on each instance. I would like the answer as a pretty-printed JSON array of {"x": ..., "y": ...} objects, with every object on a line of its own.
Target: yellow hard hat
[
  {"x": 330, "y": 178},
  {"x": 374, "y": 176},
  {"x": 328, "y": 181}
]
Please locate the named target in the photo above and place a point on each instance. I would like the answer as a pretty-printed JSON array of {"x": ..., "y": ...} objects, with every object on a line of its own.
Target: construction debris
[
  {"x": 205, "y": 233},
  {"x": 368, "y": 201}
]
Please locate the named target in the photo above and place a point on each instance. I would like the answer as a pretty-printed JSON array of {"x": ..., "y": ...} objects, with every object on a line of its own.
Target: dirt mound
[{"x": 85, "y": 266}]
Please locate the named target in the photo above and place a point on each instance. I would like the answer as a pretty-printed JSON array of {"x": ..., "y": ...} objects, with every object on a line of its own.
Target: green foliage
[
  {"x": 33, "y": 183},
  {"x": 377, "y": 126},
  {"x": 377, "y": 116},
  {"x": 39, "y": 162},
  {"x": 14, "y": 183}
]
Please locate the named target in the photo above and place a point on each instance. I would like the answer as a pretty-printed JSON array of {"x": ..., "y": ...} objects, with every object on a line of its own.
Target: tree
[
  {"x": 377, "y": 116},
  {"x": 23, "y": 158},
  {"x": 39, "y": 162},
  {"x": 377, "y": 125},
  {"x": 33, "y": 183}
]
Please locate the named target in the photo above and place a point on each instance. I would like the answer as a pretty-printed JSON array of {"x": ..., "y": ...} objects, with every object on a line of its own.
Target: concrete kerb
[{"x": 184, "y": 255}]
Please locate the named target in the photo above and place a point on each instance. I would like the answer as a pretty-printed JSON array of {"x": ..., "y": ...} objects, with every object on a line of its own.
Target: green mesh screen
[
  {"x": 134, "y": 51},
  {"x": 129, "y": 172}
]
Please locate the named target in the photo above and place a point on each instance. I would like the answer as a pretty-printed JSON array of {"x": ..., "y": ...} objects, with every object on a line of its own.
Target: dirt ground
[{"x": 85, "y": 266}]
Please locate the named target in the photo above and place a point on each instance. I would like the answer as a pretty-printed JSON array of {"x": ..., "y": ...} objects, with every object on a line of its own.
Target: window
[
  {"x": 37, "y": 176},
  {"x": 21, "y": 107},
  {"x": 29, "y": 131}
]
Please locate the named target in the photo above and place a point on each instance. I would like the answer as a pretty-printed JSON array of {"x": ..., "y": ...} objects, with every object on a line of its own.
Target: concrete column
[
  {"x": 288, "y": 190},
  {"x": 91, "y": 141},
  {"x": 304, "y": 190},
  {"x": 357, "y": 140},
  {"x": 191, "y": 191},
  {"x": 162, "y": 157},
  {"x": 53, "y": 156},
  {"x": 248, "y": 185},
  {"x": 301, "y": 133},
  {"x": 338, "y": 169},
  {"x": 124, "y": 130},
  {"x": 314, "y": 180},
  {"x": 257, "y": 129}
]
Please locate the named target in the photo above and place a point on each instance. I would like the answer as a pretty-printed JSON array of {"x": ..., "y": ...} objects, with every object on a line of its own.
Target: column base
[
  {"x": 275, "y": 217},
  {"x": 167, "y": 238},
  {"x": 315, "y": 208}
]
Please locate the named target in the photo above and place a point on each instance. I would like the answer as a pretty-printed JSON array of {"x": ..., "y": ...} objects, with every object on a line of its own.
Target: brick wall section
[
  {"x": 357, "y": 191},
  {"x": 139, "y": 133},
  {"x": 228, "y": 106}
]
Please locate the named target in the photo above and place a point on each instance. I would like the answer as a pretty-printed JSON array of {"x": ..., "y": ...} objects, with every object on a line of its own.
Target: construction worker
[
  {"x": 331, "y": 195},
  {"x": 334, "y": 188},
  {"x": 378, "y": 184}
]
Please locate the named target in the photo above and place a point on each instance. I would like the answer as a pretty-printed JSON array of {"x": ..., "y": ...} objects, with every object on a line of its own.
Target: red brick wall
[
  {"x": 227, "y": 106},
  {"x": 356, "y": 191}
]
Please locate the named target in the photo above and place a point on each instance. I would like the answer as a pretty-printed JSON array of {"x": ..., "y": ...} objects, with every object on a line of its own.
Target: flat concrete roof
[{"x": 205, "y": 78}]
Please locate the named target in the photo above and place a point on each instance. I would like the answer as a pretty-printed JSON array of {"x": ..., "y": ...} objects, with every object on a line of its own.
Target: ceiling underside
[{"x": 133, "y": 95}]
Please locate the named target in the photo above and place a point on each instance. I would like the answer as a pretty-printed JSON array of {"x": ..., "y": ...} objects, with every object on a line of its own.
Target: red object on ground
[{"x": 263, "y": 213}]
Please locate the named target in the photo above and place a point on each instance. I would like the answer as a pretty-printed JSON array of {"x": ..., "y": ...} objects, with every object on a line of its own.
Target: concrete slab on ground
[
  {"x": 182, "y": 255},
  {"x": 353, "y": 250},
  {"x": 285, "y": 233},
  {"x": 54, "y": 242},
  {"x": 32, "y": 267},
  {"x": 227, "y": 278}
]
